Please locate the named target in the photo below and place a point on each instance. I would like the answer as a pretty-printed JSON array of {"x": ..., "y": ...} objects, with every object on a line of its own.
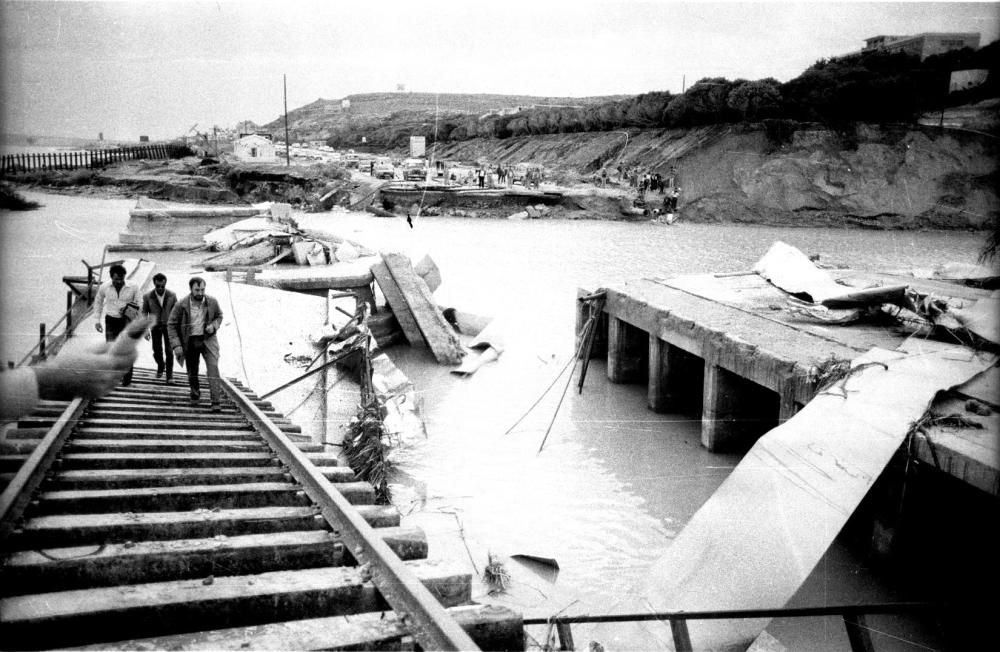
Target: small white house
[{"x": 254, "y": 149}]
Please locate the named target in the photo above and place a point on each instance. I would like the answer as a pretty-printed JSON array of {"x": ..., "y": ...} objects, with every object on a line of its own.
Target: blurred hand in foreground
[{"x": 90, "y": 370}]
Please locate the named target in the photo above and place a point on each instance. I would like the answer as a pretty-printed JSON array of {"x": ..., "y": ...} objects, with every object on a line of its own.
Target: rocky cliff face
[{"x": 870, "y": 176}]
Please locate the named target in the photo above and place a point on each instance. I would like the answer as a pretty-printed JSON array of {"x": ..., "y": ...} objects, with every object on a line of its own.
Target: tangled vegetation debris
[
  {"x": 367, "y": 445},
  {"x": 828, "y": 373},
  {"x": 931, "y": 420},
  {"x": 367, "y": 442},
  {"x": 496, "y": 575}
]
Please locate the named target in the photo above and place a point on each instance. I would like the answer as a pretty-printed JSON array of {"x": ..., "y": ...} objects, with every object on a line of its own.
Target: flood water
[{"x": 614, "y": 482}]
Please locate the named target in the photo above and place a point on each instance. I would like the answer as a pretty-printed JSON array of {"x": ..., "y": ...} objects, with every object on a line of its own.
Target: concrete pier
[{"x": 733, "y": 348}]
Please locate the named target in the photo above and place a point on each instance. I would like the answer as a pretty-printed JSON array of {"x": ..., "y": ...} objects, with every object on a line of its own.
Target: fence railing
[
  {"x": 82, "y": 289},
  {"x": 29, "y": 162},
  {"x": 858, "y": 632}
]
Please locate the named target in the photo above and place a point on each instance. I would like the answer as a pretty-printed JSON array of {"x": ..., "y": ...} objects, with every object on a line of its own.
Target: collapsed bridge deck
[{"x": 731, "y": 348}]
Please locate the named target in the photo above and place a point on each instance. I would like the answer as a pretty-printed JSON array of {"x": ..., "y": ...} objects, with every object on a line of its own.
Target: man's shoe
[
  {"x": 159, "y": 372},
  {"x": 170, "y": 381},
  {"x": 195, "y": 395},
  {"x": 216, "y": 407},
  {"x": 126, "y": 383}
]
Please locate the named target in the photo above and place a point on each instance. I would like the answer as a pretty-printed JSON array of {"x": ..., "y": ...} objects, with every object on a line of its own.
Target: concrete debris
[
  {"x": 817, "y": 295},
  {"x": 399, "y": 399},
  {"x": 244, "y": 233},
  {"x": 965, "y": 273},
  {"x": 346, "y": 252},
  {"x": 428, "y": 270},
  {"x": 412, "y": 302},
  {"x": 490, "y": 341}
]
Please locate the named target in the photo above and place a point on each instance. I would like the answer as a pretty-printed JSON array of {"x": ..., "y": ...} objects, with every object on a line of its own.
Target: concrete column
[
  {"x": 658, "y": 396},
  {"x": 787, "y": 406},
  {"x": 617, "y": 342},
  {"x": 719, "y": 423}
]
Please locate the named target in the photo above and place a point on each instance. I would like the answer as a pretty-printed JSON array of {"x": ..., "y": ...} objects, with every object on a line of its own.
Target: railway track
[{"x": 141, "y": 521}]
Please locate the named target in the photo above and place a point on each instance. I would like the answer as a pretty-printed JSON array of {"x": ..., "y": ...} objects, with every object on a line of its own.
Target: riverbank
[
  {"x": 869, "y": 177},
  {"x": 786, "y": 173}
]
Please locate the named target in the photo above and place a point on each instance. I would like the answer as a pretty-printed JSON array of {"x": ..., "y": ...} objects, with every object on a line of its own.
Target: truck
[
  {"x": 384, "y": 168},
  {"x": 415, "y": 169}
]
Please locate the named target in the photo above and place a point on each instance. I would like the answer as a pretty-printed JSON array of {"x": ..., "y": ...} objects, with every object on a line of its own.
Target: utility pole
[
  {"x": 288, "y": 159},
  {"x": 683, "y": 83},
  {"x": 944, "y": 102}
]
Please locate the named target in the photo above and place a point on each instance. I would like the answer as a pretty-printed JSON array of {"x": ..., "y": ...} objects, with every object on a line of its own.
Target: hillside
[
  {"x": 320, "y": 119},
  {"x": 872, "y": 176}
]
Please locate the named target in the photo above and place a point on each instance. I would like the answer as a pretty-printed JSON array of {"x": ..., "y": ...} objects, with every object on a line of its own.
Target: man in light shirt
[
  {"x": 192, "y": 328},
  {"x": 158, "y": 303},
  {"x": 112, "y": 304}
]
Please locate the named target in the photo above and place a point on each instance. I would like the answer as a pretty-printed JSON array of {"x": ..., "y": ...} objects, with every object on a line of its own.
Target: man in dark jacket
[
  {"x": 192, "y": 328},
  {"x": 157, "y": 304}
]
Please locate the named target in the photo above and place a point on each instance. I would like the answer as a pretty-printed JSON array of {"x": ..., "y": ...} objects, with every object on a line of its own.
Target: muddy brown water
[{"x": 615, "y": 482}]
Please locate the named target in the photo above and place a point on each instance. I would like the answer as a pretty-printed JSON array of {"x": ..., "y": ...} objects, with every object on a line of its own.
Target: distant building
[
  {"x": 254, "y": 148},
  {"x": 418, "y": 146},
  {"x": 923, "y": 45}
]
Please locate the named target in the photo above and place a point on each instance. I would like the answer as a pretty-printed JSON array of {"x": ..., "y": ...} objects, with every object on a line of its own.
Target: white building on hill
[{"x": 254, "y": 149}]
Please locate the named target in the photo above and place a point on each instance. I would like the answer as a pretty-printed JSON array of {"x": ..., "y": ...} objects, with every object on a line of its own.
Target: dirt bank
[
  {"x": 207, "y": 181},
  {"x": 778, "y": 173},
  {"x": 787, "y": 174}
]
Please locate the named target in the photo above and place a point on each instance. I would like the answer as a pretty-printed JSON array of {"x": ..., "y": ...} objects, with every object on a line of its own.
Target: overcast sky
[{"x": 156, "y": 68}]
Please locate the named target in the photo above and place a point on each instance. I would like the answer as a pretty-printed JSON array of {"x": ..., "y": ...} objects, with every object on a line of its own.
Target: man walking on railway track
[
  {"x": 117, "y": 302},
  {"x": 158, "y": 303},
  {"x": 192, "y": 328}
]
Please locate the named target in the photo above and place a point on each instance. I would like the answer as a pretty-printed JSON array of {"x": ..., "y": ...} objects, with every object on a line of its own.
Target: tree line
[{"x": 878, "y": 87}]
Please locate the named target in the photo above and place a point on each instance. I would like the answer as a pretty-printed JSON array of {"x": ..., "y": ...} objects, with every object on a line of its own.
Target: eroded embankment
[{"x": 788, "y": 174}]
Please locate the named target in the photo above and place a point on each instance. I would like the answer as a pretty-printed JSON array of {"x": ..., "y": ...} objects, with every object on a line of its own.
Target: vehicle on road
[
  {"x": 415, "y": 169},
  {"x": 384, "y": 168}
]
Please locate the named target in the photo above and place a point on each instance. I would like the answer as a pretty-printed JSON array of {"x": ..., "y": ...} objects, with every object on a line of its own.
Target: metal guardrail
[
  {"x": 853, "y": 615},
  {"x": 49, "y": 336},
  {"x": 429, "y": 622}
]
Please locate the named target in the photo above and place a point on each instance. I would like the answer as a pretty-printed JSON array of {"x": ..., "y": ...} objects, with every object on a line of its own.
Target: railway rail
[{"x": 142, "y": 521}]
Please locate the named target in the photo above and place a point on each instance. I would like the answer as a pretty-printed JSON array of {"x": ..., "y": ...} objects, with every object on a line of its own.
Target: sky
[{"x": 162, "y": 68}]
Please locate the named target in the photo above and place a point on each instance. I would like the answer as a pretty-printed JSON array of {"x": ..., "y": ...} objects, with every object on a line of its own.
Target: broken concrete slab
[
  {"x": 435, "y": 329},
  {"x": 397, "y": 303}
]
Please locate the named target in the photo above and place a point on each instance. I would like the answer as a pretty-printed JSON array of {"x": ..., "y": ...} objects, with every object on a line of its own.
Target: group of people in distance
[{"x": 185, "y": 330}]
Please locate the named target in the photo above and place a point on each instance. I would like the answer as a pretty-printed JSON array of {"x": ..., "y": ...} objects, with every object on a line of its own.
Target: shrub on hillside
[
  {"x": 80, "y": 177},
  {"x": 329, "y": 171},
  {"x": 779, "y": 132}
]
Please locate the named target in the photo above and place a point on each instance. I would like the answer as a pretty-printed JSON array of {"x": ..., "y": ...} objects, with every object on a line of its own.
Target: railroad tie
[{"x": 161, "y": 524}]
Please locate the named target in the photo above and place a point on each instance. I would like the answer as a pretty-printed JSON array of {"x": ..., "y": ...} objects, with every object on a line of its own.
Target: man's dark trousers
[
  {"x": 161, "y": 343},
  {"x": 113, "y": 326},
  {"x": 196, "y": 349}
]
